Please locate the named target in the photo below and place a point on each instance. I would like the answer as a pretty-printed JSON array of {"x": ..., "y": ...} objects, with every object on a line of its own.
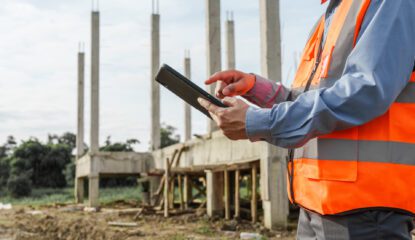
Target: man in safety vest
[{"x": 350, "y": 115}]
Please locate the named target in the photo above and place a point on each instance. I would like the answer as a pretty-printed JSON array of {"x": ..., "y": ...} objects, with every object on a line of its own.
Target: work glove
[{"x": 231, "y": 83}]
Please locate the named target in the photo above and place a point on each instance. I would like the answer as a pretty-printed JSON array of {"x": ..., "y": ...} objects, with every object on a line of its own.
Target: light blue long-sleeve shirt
[{"x": 376, "y": 71}]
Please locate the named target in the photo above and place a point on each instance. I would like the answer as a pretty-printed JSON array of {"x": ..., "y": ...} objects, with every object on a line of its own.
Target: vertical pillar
[
  {"x": 254, "y": 194},
  {"x": 227, "y": 195},
  {"x": 81, "y": 104},
  {"x": 95, "y": 83},
  {"x": 79, "y": 182},
  {"x": 213, "y": 45},
  {"x": 166, "y": 187},
  {"x": 155, "y": 88},
  {"x": 79, "y": 190},
  {"x": 187, "y": 110},
  {"x": 270, "y": 39},
  {"x": 273, "y": 186},
  {"x": 237, "y": 194},
  {"x": 93, "y": 190},
  {"x": 154, "y": 185},
  {"x": 214, "y": 193},
  {"x": 187, "y": 191},
  {"x": 273, "y": 178},
  {"x": 230, "y": 42}
]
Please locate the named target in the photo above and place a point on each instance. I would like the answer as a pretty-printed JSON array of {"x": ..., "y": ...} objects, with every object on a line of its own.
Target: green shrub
[{"x": 19, "y": 186}]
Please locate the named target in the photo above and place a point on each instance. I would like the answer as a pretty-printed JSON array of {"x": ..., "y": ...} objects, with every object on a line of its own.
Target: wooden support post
[
  {"x": 237, "y": 195},
  {"x": 166, "y": 187},
  {"x": 180, "y": 187},
  {"x": 227, "y": 195},
  {"x": 187, "y": 191},
  {"x": 171, "y": 191},
  {"x": 254, "y": 204}
]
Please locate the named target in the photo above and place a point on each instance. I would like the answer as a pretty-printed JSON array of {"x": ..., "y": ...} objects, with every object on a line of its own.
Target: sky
[{"x": 38, "y": 60}]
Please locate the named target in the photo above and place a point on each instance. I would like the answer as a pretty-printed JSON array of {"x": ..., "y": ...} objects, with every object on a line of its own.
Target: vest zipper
[{"x": 290, "y": 157}]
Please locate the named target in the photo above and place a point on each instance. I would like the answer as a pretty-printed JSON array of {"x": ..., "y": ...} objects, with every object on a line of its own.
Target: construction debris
[
  {"x": 123, "y": 224},
  {"x": 7, "y": 206}
]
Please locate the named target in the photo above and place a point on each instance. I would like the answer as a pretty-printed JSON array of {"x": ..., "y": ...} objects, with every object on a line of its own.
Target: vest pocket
[{"x": 329, "y": 159}]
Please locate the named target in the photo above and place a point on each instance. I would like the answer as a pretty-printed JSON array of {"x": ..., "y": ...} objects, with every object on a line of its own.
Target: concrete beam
[
  {"x": 81, "y": 104},
  {"x": 155, "y": 87},
  {"x": 114, "y": 163},
  {"x": 230, "y": 43},
  {"x": 95, "y": 83},
  {"x": 213, "y": 46},
  {"x": 187, "y": 109}
]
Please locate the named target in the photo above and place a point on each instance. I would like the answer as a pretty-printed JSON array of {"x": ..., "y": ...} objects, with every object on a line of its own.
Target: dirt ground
[{"x": 72, "y": 222}]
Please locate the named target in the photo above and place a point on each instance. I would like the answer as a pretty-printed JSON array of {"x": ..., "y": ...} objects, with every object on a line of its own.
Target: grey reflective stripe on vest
[
  {"x": 344, "y": 44},
  {"x": 408, "y": 94},
  {"x": 362, "y": 150}
]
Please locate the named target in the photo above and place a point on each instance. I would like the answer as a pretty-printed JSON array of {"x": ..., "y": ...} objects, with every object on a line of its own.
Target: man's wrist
[{"x": 258, "y": 124}]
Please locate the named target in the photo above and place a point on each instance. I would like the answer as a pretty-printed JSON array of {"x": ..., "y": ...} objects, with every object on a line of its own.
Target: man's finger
[
  {"x": 208, "y": 105},
  {"x": 225, "y": 76},
  {"x": 239, "y": 87},
  {"x": 219, "y": 88},
  {"x": 230, "y": 101}
]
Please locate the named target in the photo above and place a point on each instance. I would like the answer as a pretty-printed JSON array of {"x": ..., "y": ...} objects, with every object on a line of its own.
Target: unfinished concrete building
[{"x": 211, "y": 165}]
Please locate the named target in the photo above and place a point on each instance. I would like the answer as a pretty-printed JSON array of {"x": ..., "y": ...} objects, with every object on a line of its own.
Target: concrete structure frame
[{"x": 218, "y": 161}]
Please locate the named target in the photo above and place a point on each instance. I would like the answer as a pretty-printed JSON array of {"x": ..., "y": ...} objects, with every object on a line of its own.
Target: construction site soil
[{"x": 120, "y": 221}]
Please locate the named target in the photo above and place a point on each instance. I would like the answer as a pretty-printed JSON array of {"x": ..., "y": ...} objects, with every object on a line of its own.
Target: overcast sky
[{"x": 38, "y": 60}]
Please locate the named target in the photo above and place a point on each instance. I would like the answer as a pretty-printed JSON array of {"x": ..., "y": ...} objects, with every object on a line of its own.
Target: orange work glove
[{"x": 231, "y": 83}]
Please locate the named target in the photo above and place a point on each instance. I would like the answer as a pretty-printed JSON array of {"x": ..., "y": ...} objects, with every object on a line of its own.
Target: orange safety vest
[{"x": 368, "y": 166}]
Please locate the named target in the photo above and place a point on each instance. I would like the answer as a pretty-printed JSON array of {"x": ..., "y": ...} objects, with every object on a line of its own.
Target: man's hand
[
  {"x": 232, "y": 119},
  {"x": 231, "y": 83}
]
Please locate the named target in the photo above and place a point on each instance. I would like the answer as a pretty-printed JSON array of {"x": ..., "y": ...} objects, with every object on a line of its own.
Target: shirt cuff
[
  {"x": 258, "y": 124},
  {"x": 265, "y": 92}
]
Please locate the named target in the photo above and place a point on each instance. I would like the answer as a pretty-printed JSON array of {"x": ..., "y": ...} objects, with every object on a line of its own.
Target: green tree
[
  {"x": 67, "y": 138},
  {"x": 43, "y": 163},
  {"x": 168, "y": 135},
  {"x": 5, "y": 151},
  {"x": 119, "y": 146}
]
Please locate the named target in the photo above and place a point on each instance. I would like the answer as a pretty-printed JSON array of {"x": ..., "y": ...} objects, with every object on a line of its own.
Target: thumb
[{"x": 229, "y": 101}]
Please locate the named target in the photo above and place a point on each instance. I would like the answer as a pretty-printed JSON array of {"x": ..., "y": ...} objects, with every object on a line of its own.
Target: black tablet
[{"x": 184, "y": 88}]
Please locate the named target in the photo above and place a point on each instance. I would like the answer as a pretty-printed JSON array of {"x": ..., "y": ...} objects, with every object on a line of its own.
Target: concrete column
[
  {"x": 154, "y": 185},
  {"x": 79, "y": 182},
  {"x": 81, "y": 104},
  {"x": 93, "y": 190},
  {"x": 155, "y": 87},
  {"x": 213, "y": 46},
  {"x": 95, "y": 83},
  {"x": 187, "y": 109},
  {"x": 214, "y": 193},
  {"x": 273, "y": 164},
  {"x": 230, "y": 42},
  {"x": 270, "y": 39},
  {"x": 79, "y": 190}
]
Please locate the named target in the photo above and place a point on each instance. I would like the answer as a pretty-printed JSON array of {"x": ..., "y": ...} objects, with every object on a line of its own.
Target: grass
[{"x": 66, "y": 195}]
